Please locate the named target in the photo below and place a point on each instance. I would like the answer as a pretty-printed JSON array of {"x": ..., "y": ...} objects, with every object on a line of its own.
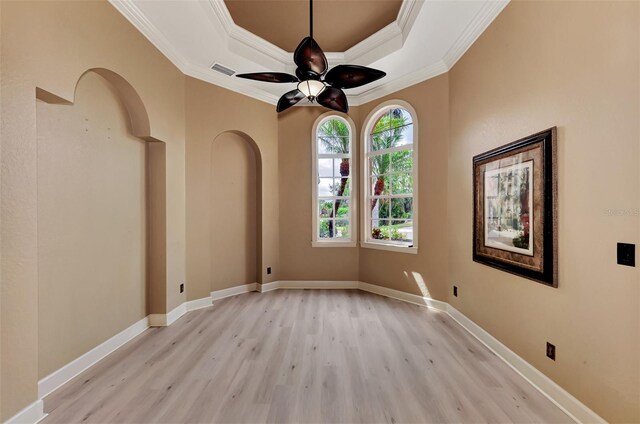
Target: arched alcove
[
  {"x": 235, "y": 210},
  {"x": 137, "y": 116},
  {"x": 101, "y": 217}
]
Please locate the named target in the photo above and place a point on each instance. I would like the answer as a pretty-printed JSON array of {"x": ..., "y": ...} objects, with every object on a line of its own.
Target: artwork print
[
  {"x": 508, "y": 200},
  {"x": 515, "y": 208}
]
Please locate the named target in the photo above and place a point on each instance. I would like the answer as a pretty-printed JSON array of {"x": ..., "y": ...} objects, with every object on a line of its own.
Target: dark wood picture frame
[{"x": 515, "y": 208}]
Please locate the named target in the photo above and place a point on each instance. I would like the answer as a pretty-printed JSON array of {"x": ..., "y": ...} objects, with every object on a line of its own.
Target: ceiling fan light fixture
[
  {"x": 315, "y": 81},
  {"x": 311, "y": 88}
]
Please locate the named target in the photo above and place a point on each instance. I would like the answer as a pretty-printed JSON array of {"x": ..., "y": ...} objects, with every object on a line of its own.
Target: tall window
[
  {"x": 390, "y": 220},
  {"x": 333, "y": 206}
]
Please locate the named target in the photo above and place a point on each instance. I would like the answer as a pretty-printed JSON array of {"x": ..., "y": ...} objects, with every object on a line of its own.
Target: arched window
[
  {"x": 334, "y": 210},
  {"x": 391, "y": 178}
]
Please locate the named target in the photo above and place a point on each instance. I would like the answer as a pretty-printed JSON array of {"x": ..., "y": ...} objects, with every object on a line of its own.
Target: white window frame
[
  {"x": 316, "y": 241},
  {"x": 366, "y": 241}
]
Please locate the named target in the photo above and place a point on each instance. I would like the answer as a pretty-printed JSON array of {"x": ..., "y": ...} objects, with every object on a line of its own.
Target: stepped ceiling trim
[
  {"x": 387, "y": 41},
  {"x": 393, "y": 35}
]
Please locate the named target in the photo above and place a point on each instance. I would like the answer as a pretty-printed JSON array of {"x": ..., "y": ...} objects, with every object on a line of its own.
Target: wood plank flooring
[{"x": 303, "y": 356}]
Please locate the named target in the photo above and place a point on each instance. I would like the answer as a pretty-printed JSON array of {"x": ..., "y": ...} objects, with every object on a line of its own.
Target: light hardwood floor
[{"x": 303, "y": 356}]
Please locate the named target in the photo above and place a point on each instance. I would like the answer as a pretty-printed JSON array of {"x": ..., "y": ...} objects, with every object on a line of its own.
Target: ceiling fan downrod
[{"x": 315, "y": 81}]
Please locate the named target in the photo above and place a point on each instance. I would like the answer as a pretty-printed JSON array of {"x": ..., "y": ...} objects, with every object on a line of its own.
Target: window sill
[
  {"x": 389, "y": 247},
  {"x": 348, "y": 243}
]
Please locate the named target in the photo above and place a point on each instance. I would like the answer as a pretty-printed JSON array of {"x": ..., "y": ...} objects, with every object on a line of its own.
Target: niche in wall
[
  {"x": 234, "y": 211},
  {"x": 92, "y": 219}
]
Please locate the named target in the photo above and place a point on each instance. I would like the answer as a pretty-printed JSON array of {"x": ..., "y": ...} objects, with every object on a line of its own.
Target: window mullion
[
  {"x": 344, "y": 145},
  {"x": 401, "y": 182}
]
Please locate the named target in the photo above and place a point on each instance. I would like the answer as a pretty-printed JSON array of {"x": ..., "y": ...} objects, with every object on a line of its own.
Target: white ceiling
[{"x": 426, "y": 40}]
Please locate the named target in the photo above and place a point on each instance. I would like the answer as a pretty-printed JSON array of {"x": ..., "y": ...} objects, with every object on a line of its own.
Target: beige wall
[
  {"x": 50, "y": 45},
  {"x": 233, "y": 212},
  {"x": 91, "y": 223},
  {"x": 426, "y": 272},
  {"x": 299, "y": 260},
  {"x": 211, "y": 111},
  {"x": 586, "y": 81},
  {"x": 156, "y": 230},
  {"x": 539, "y": 64},
  {"x": 574, "y": 65}
]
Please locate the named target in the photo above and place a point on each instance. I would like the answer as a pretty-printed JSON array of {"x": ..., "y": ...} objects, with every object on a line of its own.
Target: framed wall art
[{"x": 515, "y": 208}]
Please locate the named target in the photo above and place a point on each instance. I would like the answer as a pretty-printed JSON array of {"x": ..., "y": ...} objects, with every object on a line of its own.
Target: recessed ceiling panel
[
  {"x": 426, "y": 39},
  {"x": 337, "y": 24}
]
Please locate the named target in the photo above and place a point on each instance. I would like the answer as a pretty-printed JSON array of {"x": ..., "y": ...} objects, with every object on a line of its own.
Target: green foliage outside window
[{"x": 333, "y": 137}]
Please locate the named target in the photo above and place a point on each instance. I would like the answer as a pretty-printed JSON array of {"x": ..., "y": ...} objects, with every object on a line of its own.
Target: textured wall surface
[
  {"x": 573, "y": 65},
  {"x": 211, "y": 112},
  {"x": 91, "y": 224},
  {"x": 425, "y": 273},
  {"x": 233, "y": 212},
  {"x": 300, "y": 261},
  {"x": 71, "y": 38}
]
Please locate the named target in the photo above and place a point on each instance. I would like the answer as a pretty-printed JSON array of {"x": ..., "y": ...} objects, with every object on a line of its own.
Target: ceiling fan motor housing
[{"x": 312, "y": 66}]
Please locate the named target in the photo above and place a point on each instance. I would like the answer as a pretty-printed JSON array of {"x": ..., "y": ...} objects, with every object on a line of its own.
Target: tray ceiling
[
  {"x": 338, "y": 25},
  {"x": 425, "y": 39}
]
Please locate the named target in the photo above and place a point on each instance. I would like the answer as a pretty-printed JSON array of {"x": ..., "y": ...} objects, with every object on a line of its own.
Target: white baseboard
[
  {"x": 328, "y": 285},
  {"x": 29, "y": 415},
  {"x": 193, "y": 305},
  {"x": 571, "y": 406},
  {"x": 556, "y": 394},
  {"x": 307, "y": 285},
  {"x": 75, "y": 367},
  {"x": 157, "y": 320},
  {"x": 165, "y": 320},
  {"x": 563, "y": 399},
  {"x": 267, "y": 287},
  {"x": 404, "y": 296},
  {"x": 232, "y": 291}
]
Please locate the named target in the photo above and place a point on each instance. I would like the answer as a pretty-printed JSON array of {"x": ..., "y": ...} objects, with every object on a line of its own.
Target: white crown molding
[
  {"x": 489, "y": 11},
  {"x": 230, "y": 83},
  {"x": 380, "y": 44},
  {"x": 249, "y": 45},
  {"x": 388, "y": 39},
  {"x": 218, "y": 14},
  {"x": 374, "y": 47},
  {"x": 155, "y": 36},
  {"x": 407, "y": 15},
  {"x": 135, "y": 16},
  {"x": 398, "y": 84}
]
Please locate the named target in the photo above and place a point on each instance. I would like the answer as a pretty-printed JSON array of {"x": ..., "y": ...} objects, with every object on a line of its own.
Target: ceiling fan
[{"x": 314, "y": 82}]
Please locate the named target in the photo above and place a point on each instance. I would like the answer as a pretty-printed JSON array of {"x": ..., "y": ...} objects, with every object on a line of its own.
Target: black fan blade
[
  {"x": 333, "y": 98},
  {"x": 351, "y": 76},
  {"x": 309, "y": 57},
  {"x": 289, "y": 99},
  {"x": 269, "y": 77}
]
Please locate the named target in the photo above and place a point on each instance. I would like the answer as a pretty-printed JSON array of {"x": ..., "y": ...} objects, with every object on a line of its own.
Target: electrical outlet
[
  {"x": 455, "y": 291},
  {"x": 181, "y": 287},
  {"x": 268, "y": 270},
  {"x": 551, "y": 351}
]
